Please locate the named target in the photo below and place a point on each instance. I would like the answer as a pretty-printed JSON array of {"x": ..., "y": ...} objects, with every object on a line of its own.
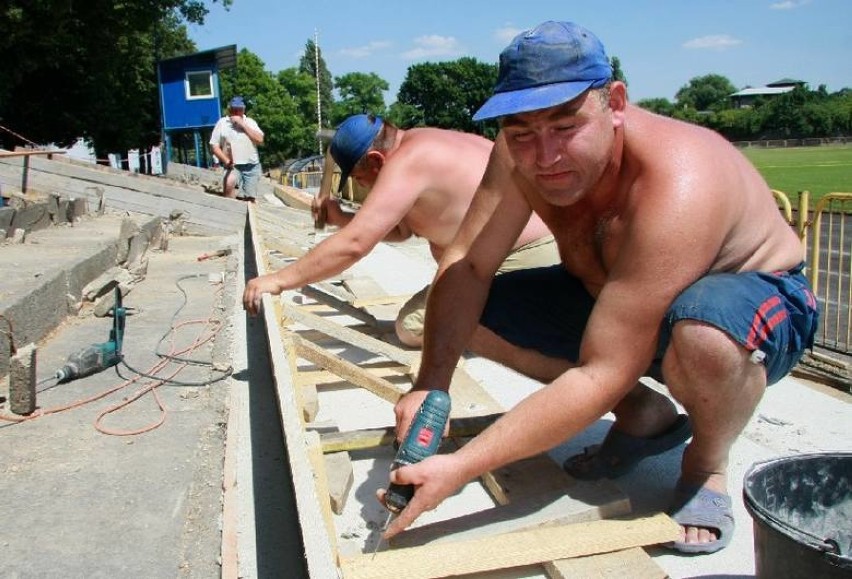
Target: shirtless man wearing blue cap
[
  {"x": 676, "y": 264},
  {"x": 421, "y": 182}
]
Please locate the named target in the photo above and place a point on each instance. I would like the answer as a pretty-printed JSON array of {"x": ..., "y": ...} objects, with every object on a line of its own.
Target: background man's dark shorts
[{"x": 546, "y": 309}]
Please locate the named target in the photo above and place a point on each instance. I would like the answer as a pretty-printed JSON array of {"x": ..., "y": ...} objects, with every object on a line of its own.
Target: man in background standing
[{"x": 234, "y": 142}]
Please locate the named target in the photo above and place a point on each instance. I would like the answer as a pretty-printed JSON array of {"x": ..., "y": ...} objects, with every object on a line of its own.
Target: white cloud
[
  {"x": 506, "y": 34},
  {"x": 714, "y": 42},
  {"x": 788, "y": 4},
  {"x": 434, "y": 45},
  {"x": 366, "y": 50}
]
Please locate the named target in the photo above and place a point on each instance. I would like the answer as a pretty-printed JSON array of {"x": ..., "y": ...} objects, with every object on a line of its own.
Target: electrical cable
[{"x": 212, "y": 328}]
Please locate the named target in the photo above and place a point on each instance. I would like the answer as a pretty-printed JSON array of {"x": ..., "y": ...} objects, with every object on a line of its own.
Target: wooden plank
[
  {"x": 345, "y": 334},
  {"x": 535, "y": 511},
  {"x": 325, "y": 296},
  {"x": 340, "y": 477},
  {"x": 305, "y": 394},
  {"x": 382, "y": 369},
  {"x": 345, "y": 369},
  {"x": 321, "y": 559},
  {"x": 380, "y": 300},
  {"x": 633, "y": 563},
  {"x": 512, "y": 549},
  {"x": 321, "y": 481},
  {"x": 375, "y": 437}
]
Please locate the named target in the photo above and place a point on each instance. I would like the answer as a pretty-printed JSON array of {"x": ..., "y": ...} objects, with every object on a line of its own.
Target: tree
[
  {"x": 661, "y": 106},
  {"x": 269, "y": 103},
  {"x": 87, "y": 69},
  {"x": 310, "y": 62},
  {"x": 447, "y": 94},
  {"x": 301, "y": 87},
  {"x": 704, "y": 93},
  {"x": 617, "y": 73},
  {"x": 359, "y": 93}
]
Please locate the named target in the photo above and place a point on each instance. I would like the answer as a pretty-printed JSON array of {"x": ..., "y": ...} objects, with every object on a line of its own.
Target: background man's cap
[
  {"x": 352, "y": 141},
  {"x": 546, "y": 66},
  {"x": 237, "y": 103}
]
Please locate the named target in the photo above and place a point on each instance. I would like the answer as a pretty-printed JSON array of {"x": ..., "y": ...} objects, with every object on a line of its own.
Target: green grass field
[{"x": 819, "y": 170}]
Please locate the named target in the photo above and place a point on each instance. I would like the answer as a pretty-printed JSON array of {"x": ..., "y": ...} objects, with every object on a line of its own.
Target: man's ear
[
  {"x": 375, "y": 160},
  {"x": 618, "y": 101}
]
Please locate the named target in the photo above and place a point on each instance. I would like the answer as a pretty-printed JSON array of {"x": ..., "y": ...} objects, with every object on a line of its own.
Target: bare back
[{"x": 441, "y": 170}]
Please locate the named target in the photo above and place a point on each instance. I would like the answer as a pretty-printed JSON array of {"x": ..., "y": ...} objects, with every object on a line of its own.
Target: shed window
[{"x": 199, "y": 85}]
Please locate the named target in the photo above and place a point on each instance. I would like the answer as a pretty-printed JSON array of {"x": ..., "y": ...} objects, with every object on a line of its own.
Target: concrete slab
[{"x": 78, "y": 502}]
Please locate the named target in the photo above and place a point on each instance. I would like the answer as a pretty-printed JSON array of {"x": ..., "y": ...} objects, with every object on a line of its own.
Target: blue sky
[{"x": 662, "y": 44}]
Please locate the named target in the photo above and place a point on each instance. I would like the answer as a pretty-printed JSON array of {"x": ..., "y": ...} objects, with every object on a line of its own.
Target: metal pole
[{"x": 319, "y": 100}]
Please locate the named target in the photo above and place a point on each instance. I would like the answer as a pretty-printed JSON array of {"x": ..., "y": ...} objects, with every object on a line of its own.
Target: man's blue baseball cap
[
  {"x": 237, "y": 103},
  {"x": 546, "y": 66},
  {"x": 352, "y": 140}
]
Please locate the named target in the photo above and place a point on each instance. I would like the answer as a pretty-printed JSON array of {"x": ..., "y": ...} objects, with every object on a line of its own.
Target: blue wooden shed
[{"x": 190, "y": 103}]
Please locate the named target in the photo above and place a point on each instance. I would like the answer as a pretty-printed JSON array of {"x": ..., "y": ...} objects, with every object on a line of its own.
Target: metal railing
[
  {"x": 831, "y": 269},
  {"x": 826, "y": 236}
]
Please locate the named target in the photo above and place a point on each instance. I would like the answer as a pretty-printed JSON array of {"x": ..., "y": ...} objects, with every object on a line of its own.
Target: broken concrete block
[
  {"x": 6, "y": 215},
  {"x": 32, "y": 217},
  {"x": 77, "y": 208},
  {"x": 129, "y": 229},
  {"x": 57, "y": 208},
  {"x": 137, "y": 248},
  {"x": 106, "y": 282},
  {"x": 22, "y": 380},
  {"x": 18, "y": 235},
  {"x": 107, "y": 301}
]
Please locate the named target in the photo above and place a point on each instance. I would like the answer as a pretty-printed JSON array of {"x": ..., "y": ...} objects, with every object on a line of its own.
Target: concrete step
[{"x": 44, "y": 277}]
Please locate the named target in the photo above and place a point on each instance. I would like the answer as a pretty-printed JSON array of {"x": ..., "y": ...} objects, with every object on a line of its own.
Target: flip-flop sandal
[
  {"x": 620, "y": 453},
  {"x": 697, "y": 506}
]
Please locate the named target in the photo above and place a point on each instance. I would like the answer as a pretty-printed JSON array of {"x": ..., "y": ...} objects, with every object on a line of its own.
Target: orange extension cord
[{"x": 208, "y": 332}]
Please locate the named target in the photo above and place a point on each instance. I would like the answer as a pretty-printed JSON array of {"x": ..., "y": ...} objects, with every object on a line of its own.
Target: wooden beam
[
  {"x": 345, "y": 334},
  {"x": 534, "y": 511},
  {"x": 512, "y": 549},
  {"x": 633, "y": 563},
  {"x": 339, "y": 477},
  {"x": 345, "y": 369},
  {"x": 338, "y": 304},
  {"x": 375, "y": 437}
]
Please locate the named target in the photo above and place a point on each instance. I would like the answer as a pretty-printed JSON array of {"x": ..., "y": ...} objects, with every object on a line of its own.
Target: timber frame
[{"x": 541, "y": 515}]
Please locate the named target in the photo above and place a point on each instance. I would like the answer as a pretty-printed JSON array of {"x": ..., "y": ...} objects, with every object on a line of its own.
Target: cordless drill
[
  {"x": 421, "y": 442},
  {"x": 97, "y": 357}
]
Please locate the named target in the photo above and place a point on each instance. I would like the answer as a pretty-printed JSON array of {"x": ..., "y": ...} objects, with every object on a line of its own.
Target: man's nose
[{"x": 547, "y": 151}]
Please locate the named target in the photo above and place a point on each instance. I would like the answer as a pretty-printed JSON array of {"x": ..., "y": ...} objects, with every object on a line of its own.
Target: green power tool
[{"x": 97, "y": 357}]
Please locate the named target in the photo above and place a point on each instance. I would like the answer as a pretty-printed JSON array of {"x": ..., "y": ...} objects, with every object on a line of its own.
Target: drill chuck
[{"x": 421, "y": 442}]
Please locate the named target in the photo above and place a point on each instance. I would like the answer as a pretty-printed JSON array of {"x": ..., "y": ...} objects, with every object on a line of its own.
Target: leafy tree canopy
[
  {"x": 359, "y": 93},
  {"x": 87, "y": 69},
  {"x": 704, "y": 93},
  {"x": 447, "y": 94}
]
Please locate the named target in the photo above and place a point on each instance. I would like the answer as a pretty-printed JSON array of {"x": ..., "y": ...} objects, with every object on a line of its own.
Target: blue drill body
[
  {"x": 97, "y": 357},
  {"x": 421, "y": 442}
]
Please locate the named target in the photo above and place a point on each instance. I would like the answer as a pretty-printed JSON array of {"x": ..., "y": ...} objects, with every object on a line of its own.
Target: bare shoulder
[{"x": 702, "y": 190}]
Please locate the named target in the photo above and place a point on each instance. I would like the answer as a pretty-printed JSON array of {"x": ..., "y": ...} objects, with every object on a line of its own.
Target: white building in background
[
  {"x": 746, "y": 97},
  {"x": 82, "y": 150}
]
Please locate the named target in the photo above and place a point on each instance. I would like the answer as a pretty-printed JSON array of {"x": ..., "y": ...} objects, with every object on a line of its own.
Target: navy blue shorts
[{"x": 546, "y": 309}]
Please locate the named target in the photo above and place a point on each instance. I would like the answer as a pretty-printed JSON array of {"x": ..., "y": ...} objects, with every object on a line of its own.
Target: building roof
[{"x": 762, "y": 90}]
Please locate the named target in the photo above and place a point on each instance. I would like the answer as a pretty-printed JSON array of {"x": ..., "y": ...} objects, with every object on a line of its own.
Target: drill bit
[{"x": 381, "y": 532}]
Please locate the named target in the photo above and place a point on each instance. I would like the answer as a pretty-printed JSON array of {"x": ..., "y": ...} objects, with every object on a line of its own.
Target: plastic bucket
[{"x": 802, "y": 512}]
